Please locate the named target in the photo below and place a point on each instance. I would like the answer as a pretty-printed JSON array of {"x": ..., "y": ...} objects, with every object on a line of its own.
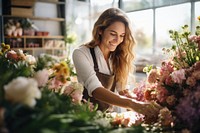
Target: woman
[{"x": 103, "y": 64}]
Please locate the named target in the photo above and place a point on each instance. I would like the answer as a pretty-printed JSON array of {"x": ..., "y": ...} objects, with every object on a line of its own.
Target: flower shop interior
[{"x": 45, "y": 31}]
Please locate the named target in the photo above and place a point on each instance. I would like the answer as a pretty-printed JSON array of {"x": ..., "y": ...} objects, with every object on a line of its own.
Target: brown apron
[{"x": 108, "y": 81}]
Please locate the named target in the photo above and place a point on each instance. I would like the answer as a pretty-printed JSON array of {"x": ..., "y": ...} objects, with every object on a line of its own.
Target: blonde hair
[{"x": 123, "y": 56}]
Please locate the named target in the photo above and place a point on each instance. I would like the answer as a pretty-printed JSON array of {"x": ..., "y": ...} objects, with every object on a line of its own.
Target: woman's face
[{"x": 112, "y": 36}]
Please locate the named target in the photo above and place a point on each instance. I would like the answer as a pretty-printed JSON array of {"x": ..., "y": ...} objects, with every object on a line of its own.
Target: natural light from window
[
  {"x": 167, "y": 18},
  {"x": 142, "y": 22}
]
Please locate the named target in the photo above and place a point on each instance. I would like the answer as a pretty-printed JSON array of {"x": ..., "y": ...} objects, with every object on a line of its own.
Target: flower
[
  {"x": 175, "y": 85},
  {"x": 178, "y": 76},
  {"x": 42, "y": 77},
  {"x": 22, "y": 90},
  {"x": 75, "y": 90}
]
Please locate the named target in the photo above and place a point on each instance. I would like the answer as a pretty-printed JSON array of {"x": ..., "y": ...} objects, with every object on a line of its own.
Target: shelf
[
  {"x": 53, "y": 43},
  {"x": 39, "y": 37},
  {"x": 36, "y": 18},
  {"x": 51, "y": 1},
  {"x": 39, "y": 48}
]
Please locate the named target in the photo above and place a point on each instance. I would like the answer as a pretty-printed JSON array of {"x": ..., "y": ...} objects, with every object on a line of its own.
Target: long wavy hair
[{"x": 123, "y": 56}]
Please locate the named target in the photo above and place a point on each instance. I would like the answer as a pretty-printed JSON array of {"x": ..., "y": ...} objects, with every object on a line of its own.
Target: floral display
[
  {"x": 175, "y": 85},
  {"x": 42, "y": 95}
]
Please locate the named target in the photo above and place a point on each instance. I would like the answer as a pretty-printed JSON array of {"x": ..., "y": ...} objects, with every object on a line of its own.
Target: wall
[{"x": 47, "y": 10}]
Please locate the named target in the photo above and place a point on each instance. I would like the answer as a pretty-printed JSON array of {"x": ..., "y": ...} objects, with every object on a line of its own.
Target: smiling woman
[
  {"x": 103, "y": 64},
  {"x": 112, "y": 37}
]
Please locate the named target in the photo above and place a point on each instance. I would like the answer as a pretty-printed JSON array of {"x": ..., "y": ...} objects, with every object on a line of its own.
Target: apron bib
[{"x": 108, "y": 82}]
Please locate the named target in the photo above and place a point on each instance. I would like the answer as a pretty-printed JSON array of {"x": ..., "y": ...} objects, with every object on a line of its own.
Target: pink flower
[
  {"x": 178, "y": 76},
  {"x": 162, "y": 94},
  {"x": 195, "y": 38},
  {"x": 68, "y": 90},
  {"x": 191, "y": 81},
  {"x": 196, "y": 75},
  {"x": 171, "y": 100},
  {"x": 153, "y": 76},
  {"x": 186, "y": 92},
  {"x": 42, "y": 77},
  {"x": 76, "y": 96},
  {"x": 165, "y": 117},
  {"x": 197, "y": 66},
  {"x": 168, "y": 80},
  {"x": 12, "y": 55},
  {"x": 74, "y": 90},
  {"x": 167, "y": 67},
  {"x": 55, "y": 84}
]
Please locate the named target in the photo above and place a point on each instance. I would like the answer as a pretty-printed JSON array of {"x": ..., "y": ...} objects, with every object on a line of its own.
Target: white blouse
[{"x": 84, "y": 66}]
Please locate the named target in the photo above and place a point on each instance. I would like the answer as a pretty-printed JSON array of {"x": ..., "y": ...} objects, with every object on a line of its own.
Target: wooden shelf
[
  {"x": 52, "y": 44},
  {"x": 39, "y": 37},
  {"x": 36, "y": 18},
  {"x": 52, "y": 1},
  {"x": 39, "y": 48}
]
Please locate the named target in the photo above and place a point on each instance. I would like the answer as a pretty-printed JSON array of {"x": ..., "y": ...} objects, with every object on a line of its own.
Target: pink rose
[
  {"x": 42, "y": 77},
  {"x": 178, "y": 76},
  {"x": 153, "y": 76}
]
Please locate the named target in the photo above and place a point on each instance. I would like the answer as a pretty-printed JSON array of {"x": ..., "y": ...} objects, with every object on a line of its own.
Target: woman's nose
[{"x": 116, "y": 39}]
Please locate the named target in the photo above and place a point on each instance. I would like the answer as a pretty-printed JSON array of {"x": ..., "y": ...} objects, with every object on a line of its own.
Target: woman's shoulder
[{"x": 81, "y": 50}]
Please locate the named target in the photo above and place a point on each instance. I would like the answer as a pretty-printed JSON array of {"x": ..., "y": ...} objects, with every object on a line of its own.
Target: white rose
[
  {"x": 30, "y": 59},
  {"x": 22, "y": 90}
]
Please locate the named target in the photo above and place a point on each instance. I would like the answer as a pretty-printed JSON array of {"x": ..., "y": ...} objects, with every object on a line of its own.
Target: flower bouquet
[{"x": 176, "y": 84}]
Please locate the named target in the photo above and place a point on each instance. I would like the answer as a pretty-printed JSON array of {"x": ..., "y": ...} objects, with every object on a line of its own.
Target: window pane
[
  {"x": 170, "y": 18},
  {"x": 197, "y": 12},
  {"x": 142, "y": 22},
  {"x": 169, "y": 2},
  {"x": 130, "y": 5}
]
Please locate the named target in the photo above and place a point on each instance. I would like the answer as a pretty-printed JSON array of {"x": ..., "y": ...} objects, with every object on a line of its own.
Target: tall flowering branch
[{"x": 186, "y": 47}]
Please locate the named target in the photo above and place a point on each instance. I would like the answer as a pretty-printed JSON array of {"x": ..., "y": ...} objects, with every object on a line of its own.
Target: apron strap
[{"x": 96, "y": 68}]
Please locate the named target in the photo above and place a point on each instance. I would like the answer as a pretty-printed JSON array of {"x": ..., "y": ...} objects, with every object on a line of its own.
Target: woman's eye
[{"x": 113, "y": 34}]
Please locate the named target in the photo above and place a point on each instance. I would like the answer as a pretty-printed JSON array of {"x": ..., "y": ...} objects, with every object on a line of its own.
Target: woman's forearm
[
  {"x": 149, "y": 109},
  {"x": 109, "y": 97}
]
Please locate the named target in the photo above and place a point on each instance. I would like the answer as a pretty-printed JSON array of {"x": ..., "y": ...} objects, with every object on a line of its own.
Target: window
[
  {"x": 197, "y": 12},
  {"x": 142, "y": 22},
  {"x": 130, "y": 5},
  {"x": 170, "y": 18},
  {"x": 151, "y": 19}
]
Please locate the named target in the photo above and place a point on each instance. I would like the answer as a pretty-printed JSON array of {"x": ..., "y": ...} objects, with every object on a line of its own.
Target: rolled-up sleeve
[{"x": 85, "y": 70}]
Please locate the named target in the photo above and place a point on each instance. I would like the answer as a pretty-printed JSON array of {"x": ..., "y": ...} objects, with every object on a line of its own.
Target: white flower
[
  {"x": 20, "y": 52},
  {"x": 30, "y": 59},
  {"x": 22, "y": 90},
  {"x": 42, "y": 77},
  {"x": 77, "y": 86}
]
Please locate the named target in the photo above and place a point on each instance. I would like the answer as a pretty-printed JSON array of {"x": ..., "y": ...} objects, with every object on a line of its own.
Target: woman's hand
[{"x": 149, "y": 109}]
